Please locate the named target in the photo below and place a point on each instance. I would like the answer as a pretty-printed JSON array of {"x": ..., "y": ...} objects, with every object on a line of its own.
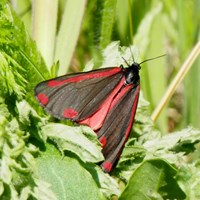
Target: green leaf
[
  {"x": 181, "y": 141},
  {"x": 17, "y": 161},
  {"x": 44, "y": 28},
  {"x": 68, "y": 33},
  {"x": 42, "y": 191},
  {"x": 68, "y": 179},
  {"x": 153, "y": 179},
  {"x": 188, "y": 178},
  {"x": 72, "y": 138},
  {"x": 30, "y": 120},
  {"x": 20, "y": 61},
  {"x": 108, "y": 17}
]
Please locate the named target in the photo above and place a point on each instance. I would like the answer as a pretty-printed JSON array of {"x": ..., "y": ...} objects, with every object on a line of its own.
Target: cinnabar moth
[{"x": 104, "y": 99}]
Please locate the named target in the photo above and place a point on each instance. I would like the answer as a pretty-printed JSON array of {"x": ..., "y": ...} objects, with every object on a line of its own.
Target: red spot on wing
[
  {"x": 107, "y": 166},
  {"x": 84, "y": 76},
  {"x": 70, "y": 113},
  {"x": 43, "y": 99},
  {"x": 103, "y": 141}
]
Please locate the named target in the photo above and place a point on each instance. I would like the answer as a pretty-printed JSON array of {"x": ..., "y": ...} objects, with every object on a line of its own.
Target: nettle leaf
[
  {"x": 16, "y": 159},
  {"x": 171, "y": 147},
  {"x": 30, "y": 120},
  {"x": 153, "y": 179},
  {"x": 20, "y": 63},
  {"x": 73, "y": 139},
  {"x": 188, "y": 178},
  {"x": 11, "y": 80},
  {"x": 108, "y": 185},
  {"x": 68, "y": 179},
  {"x": 3, "y": 108},
  {"x": 180, "y": 142}
]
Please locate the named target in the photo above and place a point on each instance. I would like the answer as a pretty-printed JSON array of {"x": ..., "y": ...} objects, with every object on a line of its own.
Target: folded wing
[
  {"x": 77, "y": 96},
  {"x": 117, "y": 125}
]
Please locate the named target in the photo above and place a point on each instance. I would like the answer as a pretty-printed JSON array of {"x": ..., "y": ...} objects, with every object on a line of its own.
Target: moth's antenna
[
  {"x": 131, "y": 56},
  {"x": 152, "y": 58},
  {"x": 125, "y": 61}
]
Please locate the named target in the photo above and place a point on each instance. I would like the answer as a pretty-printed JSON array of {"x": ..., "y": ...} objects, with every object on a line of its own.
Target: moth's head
[{"x": 135, "y": 66}]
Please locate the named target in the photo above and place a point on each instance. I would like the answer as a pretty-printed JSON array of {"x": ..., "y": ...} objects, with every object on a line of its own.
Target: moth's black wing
[
  {"x": 117, "y": 125},
  {"x": 77, "y": 96}
]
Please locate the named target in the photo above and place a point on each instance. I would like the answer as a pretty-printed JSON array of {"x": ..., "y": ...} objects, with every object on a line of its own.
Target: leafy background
[{"x": 42, "y": 158}]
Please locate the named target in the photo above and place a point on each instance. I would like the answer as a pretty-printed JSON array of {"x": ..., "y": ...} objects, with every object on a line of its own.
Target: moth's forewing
[{"x": 77, "y": 96}]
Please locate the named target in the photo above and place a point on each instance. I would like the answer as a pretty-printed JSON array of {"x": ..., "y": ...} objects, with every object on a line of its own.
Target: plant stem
[{"x": 177, "y": 80}]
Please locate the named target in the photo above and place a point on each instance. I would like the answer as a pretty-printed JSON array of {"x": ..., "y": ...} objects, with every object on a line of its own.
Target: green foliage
[
  {"x": 157, "y": 182},
  {"x": 41, "y": 158},
  {"x": 68, "y": 33},
  {"x": 75, "y": 139},
  {"x": 66, "y": 176},
  {"x": 17, "y": 158},
  {"x": 19, "y": 58}
]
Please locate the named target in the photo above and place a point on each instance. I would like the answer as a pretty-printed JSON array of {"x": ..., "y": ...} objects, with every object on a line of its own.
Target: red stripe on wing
[
  {"x": 96, "y": 120},
  {"x": 107, "y": 165},
  {"x": 122, "y": 92},
  {"x": 134, "y": 108},
  {"x": 84, "y": 76},
  {"x": 116, "y": 132}
]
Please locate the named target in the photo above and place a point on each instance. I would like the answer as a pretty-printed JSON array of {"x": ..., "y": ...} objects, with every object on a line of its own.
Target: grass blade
[
  {"x": 177, "y": 80},
  {"x": 68, "y": 33}
]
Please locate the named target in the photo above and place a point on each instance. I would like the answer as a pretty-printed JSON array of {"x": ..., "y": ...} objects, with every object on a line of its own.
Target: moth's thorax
[{"x": 132, "y": 74}]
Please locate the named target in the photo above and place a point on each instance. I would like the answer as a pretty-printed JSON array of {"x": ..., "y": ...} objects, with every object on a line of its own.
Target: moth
[{"x": 103, "y": 99}]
